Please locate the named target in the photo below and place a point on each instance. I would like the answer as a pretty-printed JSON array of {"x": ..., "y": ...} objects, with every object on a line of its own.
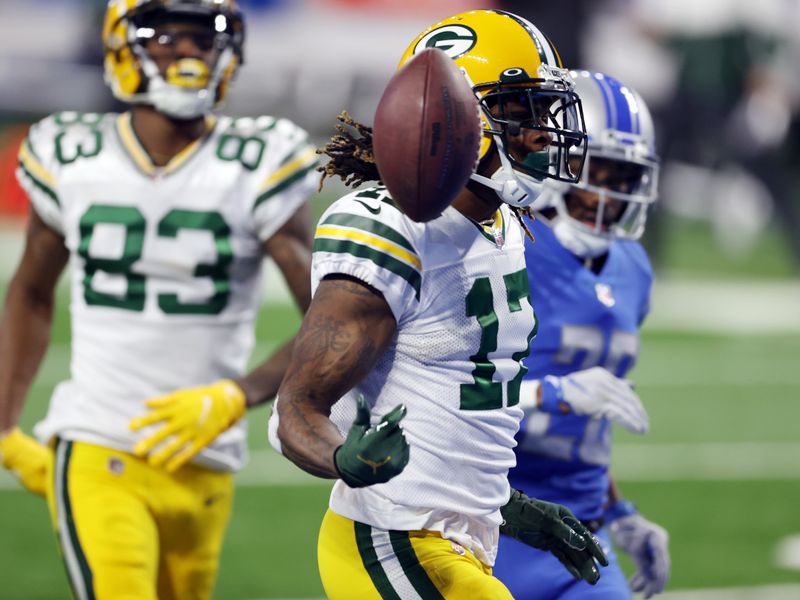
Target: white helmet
[{"x": 621, "y": 137}]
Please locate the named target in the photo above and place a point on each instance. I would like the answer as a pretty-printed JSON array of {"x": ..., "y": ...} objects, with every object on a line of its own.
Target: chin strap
[
  {"x": 581, "y": 243},
  {"x": 507, "y": 183}
]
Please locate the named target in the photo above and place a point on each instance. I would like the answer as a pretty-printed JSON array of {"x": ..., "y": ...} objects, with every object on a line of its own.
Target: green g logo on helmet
[{"x": 453, "y": 40}]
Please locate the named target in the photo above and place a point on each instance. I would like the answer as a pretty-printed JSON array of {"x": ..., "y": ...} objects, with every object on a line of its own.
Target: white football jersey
[
  {"x": 460, "y": 295},
  {"x": 165, "y": 262}
]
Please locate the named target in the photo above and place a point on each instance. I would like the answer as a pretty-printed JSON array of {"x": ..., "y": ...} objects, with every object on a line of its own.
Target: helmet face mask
[
  {"x": 143, "y": 64},
  {"x": 531, "y": 116},
  {"x": 620, "y": 175},
  {"x": 556, "y": 113}
]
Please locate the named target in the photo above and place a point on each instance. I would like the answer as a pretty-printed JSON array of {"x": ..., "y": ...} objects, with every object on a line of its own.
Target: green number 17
[{"x": 485, "y": 394}]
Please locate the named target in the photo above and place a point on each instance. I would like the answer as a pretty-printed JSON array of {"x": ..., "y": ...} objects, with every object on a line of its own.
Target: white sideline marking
[
  {"x": 736, "y": 461},
  {"x": 738, "y": 306},
  {"x": 58, "y": 357},
  {"x": 686, "y": 304},
  {"x": 787, "y": 553},
  {"x": 746, "y": 461},
  {"x": 763, "y": 592}
]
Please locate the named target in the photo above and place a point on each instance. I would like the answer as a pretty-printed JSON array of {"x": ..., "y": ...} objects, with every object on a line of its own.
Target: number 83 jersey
[
  {"x": 164, "y": 262},
  {"x": 459, "y": 293}
]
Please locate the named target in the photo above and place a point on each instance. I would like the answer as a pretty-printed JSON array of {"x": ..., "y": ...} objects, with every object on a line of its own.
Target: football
[{"x": 426, "y": 134}]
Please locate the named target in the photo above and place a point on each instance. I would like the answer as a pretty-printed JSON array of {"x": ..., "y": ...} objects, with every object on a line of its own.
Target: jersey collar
[
  {"x": 495, "y": 231},
  {"x": 136, "y": 152}
]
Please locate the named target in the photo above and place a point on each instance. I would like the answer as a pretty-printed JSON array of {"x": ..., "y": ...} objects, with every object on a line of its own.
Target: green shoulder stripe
[
  {"x": 370, "y": 225},
  {"x": 285, "y": 184},
  {"x": 30, "y": 148},
  {"x": 39, "y": 184},
  {"x": 385, "y": 261}
]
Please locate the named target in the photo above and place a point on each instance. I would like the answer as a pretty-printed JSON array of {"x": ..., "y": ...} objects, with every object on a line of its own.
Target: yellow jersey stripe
[
  {"x": 369, "y": 240},
  {"x": 306, "y": 158},
  {"x": 32, "y": 165}
]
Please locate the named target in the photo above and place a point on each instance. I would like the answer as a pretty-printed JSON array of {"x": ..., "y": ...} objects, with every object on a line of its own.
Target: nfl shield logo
[{"x": 604, "y": 294}]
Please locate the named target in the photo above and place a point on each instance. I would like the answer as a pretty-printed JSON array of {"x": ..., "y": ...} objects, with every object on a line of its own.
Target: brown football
[{"x": 426, "y": 134}]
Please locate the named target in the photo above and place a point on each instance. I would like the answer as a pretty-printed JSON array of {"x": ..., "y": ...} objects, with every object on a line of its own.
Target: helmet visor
[{"x": 554, "y": 115}]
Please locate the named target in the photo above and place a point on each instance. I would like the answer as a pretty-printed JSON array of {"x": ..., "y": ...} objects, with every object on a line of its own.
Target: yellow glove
[
  {"x": 27, "y": 459},
  {"x": 194, "y": 417}
]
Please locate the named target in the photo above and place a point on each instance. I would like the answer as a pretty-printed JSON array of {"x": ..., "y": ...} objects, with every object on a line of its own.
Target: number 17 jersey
[{"x": 459, "y": 294}]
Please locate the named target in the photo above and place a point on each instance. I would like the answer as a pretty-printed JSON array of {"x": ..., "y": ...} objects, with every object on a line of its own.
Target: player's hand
[
  {"x": 192, "y": 417},
  {"x": 27, "y": 459},
  {"x": 554, "y": 528},
  {"x": 645, "y": 542},
  {"x": 596, "y": 393},
  {"x": 372, "y": 455}
]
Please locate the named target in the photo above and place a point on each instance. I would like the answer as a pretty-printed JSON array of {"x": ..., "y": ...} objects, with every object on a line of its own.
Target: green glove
[
  {"x": 554, "y": 528},
  {"x": 372, "y": 455}
]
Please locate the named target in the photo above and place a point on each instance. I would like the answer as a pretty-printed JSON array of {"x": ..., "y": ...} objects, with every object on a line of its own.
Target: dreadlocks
[{"x": 351, "y": 157}]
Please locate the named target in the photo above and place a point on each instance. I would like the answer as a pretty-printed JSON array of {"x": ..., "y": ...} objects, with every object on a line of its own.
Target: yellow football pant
[
  {"x": 363, "y": 562},
  {"x": 128, "y": 530}
]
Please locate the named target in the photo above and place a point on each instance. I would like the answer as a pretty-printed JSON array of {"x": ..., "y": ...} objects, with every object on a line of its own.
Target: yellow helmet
[
  {"x": 190, "y": 88},
  {"x": 506, "y": 58}
]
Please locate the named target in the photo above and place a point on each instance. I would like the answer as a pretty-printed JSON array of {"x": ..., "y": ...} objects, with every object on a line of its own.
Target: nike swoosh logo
[{"x": 374, "y": 211}]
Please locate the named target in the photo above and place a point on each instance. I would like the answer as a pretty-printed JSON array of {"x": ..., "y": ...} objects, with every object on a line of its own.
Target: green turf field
[{"x": 720, "y": 468}]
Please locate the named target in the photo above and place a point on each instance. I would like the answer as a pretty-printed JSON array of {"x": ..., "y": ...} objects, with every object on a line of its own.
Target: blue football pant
[{"x": 533, "y": 574}]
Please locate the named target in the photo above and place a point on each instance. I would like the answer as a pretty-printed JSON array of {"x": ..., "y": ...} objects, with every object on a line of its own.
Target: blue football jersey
[{"x": 585, "y": 320}]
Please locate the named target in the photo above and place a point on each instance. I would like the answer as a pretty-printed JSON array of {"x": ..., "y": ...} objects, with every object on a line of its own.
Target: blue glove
[{"x": 645, "y": 542}]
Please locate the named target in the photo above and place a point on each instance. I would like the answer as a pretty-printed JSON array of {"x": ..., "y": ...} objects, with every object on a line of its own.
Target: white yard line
[
  {"x": 58, "y": 355},
  {"x": 788, "y": 591},
  {"x": 736, "y": 461},
  {"x": 721, "y": 306},
  {"x": 698, "y": 305}
]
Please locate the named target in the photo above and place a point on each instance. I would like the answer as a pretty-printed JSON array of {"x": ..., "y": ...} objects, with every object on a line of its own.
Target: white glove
[
  {"x": 645, "y": 542},
  {"x": 595, "y": 393}
]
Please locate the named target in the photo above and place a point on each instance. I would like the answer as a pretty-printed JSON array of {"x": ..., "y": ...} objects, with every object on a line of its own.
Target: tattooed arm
[{"x": 345, "y": 331}]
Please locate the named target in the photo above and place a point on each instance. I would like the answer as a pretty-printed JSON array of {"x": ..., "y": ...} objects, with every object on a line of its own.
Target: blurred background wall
[
  {"x": 720, "y": 351},
  {"x": 720, "y": 76}
]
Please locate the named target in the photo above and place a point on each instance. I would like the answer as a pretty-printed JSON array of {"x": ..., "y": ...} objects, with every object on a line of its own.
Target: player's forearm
[
  {"x": 261, "y": 384},
  {"x": 347, "y": 328},
  {"x": 307, "y": 436},
  {"x": 24, "y": 337}
]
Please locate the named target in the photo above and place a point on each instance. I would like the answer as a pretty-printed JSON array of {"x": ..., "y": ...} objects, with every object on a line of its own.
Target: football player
[
  {"x": 428, "y": 323},
  {"x": 590, "y": 282},
  {"x": 164, "y": 214}
]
